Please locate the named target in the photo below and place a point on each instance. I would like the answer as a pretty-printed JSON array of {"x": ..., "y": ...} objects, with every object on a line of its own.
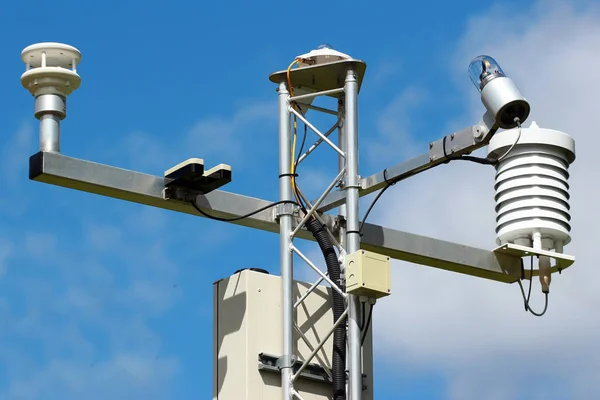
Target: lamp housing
[{"x": 500, "y": 96}]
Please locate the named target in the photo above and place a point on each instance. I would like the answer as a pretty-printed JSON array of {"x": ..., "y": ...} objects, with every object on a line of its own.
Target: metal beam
[
  {"x": 441, "y": 254},
  {"x": 105, "y": 180},
  {"x": 441, "y": 151}
]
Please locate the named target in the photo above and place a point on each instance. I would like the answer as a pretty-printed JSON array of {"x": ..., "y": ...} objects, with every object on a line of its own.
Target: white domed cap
[
  {"x": 534, "y": 135},
  {"x": 322, "y": 55},
  {"x": 57, "y": 55},
  {"x": 51, "y": 68}
]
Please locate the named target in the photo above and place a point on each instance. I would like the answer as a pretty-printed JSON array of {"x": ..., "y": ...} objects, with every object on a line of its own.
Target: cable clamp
[
  {"x": 339, "y": 223},
  {"x": 284, "y": 209},
  {"x": 357, "y": 185},
  {"x": 179, "y": 194},
  {"x": 286, "y": 362}
]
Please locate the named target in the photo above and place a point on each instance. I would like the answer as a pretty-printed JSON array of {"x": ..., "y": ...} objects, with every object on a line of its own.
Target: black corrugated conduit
[{"x": 338, "y": 362}]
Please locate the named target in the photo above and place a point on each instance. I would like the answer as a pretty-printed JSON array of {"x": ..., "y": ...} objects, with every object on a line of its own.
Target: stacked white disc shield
[{"x": 532, "y": 186}]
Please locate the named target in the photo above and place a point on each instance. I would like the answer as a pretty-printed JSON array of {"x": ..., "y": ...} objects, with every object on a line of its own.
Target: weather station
[{"x": 276, "y": 337}]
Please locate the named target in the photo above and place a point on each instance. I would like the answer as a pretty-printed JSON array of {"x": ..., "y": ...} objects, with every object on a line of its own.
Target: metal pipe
[
  {"x": 316, "y": 350},
  {"x": 317, "y": 108},
  {"x": 319, "y": 217},
  {"x": 342, "y": 165},
  {"x": 296, "y": 395},
  {"x": 50, "y": 109},
  {"x": 318, "y": 132},
  {"x": 316, "y": 94},
  {"x": 308, "y": 291},
  {"x": 316, "y": 269},
  {"x": 318, "y": 142},
  {"x": 316, "y": 205},
  {"x": 355, "y": 383},
  {"x": 286, "y": 257},
  {"x": 342, "y": 208},
  {"x": 326, "y": 366},
  {"x": 50, "y": 133}
]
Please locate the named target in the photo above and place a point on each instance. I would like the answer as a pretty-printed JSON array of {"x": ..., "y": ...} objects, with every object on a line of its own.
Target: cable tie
[{"x": 385, "y": 178}]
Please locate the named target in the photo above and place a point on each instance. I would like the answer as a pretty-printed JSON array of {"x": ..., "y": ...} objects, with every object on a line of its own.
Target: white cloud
[
  {"x": 394, "y": 127},
  {"x": 38, "y": 244},
  {"x": 475, "y": 332},
  {"x": 14, "y": 158},
  {"x": 15, "y": 154},
  {"x": 123, "y": 376},
  {"x": 102, "y": 236},
  {"x": 216, "y": 139},
  {"x": 76, "y": 304}
]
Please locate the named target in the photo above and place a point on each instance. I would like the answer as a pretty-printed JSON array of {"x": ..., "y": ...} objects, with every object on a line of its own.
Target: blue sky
[{"x": 105, "y": 299}]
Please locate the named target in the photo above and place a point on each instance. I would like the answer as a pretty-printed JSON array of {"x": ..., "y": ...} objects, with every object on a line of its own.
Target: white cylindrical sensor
[
  {"x": 532, "y": 188},
  {"x": 50, "y": 76},
  {"x": 504, "y": 101}
]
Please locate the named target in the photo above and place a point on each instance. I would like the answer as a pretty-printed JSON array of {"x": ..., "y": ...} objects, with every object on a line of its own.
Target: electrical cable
[
  {"x": 389, "y": 183},
  {"x": 193, "y": 203},
  {"x": 302, "y": 145},
  {"x": 518, "y": 121},
  {"x": 295, "y": 127},
  {"x": 478, "y": 160},
  {"x": 298, "y": 197},
  {"x": 362, "y": 321},
  {"x": 481, "y": 160},
  {"x": 526, "y": 299},
  {"x": 338, "y": 361},
  {"x": 364, "y": 336}
]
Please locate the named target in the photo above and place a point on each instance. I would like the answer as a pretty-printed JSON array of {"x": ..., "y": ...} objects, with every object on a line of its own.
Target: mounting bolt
[{"x": 478, "y": 133}]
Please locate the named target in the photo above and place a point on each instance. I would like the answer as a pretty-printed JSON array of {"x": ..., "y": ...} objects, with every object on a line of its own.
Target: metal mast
[{"x": 340, "y": 79}]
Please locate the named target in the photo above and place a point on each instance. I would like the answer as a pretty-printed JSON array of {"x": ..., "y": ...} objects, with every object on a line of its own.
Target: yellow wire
[
  {"x": 293, "y": 166},
  {"x": 289, "y": 69}
]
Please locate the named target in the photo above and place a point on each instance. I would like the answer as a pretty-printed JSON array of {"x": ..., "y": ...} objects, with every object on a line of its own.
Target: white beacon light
[{"x": 499, "y": 94}]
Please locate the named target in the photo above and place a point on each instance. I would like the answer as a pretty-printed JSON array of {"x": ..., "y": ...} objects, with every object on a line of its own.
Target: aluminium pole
[
  {"x": 355, "y": 383},
  {"x": 342, "y": 208},
  {"x": 285, "y": 229},
  {"x": 341, "y": 165}
]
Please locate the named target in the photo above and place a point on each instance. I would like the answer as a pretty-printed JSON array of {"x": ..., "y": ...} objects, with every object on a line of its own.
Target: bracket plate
[
  {"x": 563, "y": 261},
  {"x": 270, "y": 363},
  {"x": 322, "y": 77}
]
